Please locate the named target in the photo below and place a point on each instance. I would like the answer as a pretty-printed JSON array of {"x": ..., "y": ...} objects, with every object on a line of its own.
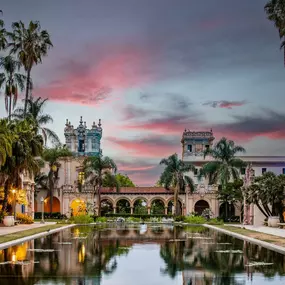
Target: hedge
[
  {"x": 142, "y": 216},
  {"x": 55, "y": 215}
]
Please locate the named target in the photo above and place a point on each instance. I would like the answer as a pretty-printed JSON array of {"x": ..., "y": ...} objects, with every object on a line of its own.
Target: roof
[{"x": 136, "y": 190}]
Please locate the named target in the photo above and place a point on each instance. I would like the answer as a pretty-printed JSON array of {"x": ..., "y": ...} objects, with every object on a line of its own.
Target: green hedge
[
  {"x": 56, "y": 215},
  {"x": 142, "y": 216}
]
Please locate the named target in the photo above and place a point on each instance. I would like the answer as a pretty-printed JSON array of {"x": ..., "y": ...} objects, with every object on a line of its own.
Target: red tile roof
[{"x": 136, "y": 190}]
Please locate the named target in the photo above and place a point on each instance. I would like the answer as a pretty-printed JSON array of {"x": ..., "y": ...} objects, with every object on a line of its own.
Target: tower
[
  {"x": 83, "y": 141},
  {"x": 194, "y": 143}
]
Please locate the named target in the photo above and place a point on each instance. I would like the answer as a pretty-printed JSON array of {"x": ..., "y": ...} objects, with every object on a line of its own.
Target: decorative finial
[
  {"x": 185, "y": 131},
  {"x": 85, "y": 125},
  {"x": 211, "y": 130},
  {"x": 80, "y": 120},
  {"x": 99, "y": 123},
  {"x": 66, "y": 122}
]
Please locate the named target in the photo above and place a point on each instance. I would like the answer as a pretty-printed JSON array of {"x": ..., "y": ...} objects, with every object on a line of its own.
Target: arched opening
[
  {"x": 123, "y": 206},
  {"x": 226, "y": 210},
  {"x": 106, "y": 207},
  {"x": 55, "y": 205},
  {"x": 200, "y": 206},
  {"x": 140, "y": 207},
  {"x": 78, "y": 207},
  {"x": 170, "y": 208},
  {"x": 157, "y": 207}
]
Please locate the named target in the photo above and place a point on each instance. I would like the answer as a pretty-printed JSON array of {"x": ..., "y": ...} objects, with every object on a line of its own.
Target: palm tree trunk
[
  {"x": 7, "y": 186},
  {"x": 27, "y": 90},
  {"x": 175, "y": 199},
  {"x": 10, "y": 107},
  {"x": 99, "y": 200},
  {"x": 51, "y": 186}
]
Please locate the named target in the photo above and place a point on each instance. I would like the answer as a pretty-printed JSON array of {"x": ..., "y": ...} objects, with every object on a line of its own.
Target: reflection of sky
[
  {"x": 259, "y": 279},
  {"x": 142, "y": 266}
]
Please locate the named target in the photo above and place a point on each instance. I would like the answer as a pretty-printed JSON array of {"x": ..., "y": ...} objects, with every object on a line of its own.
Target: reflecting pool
[{"x": 140, "y": 255}]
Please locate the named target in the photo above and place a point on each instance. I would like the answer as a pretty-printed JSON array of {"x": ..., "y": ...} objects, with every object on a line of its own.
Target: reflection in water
[{"x": 123, "y": 255}]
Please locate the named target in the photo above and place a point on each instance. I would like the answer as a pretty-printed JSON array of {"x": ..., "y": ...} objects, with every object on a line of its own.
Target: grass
[
  {"x": 256, "y": 235},
  {"x": 26, "y": 233}
]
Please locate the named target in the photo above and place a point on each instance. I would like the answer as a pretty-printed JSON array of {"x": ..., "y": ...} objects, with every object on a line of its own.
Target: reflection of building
[{"x": 193, "y": 145}]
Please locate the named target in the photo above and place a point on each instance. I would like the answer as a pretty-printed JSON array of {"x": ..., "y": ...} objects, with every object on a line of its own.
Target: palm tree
[
  {"x": 95, "y": 168},
  {"x": 3, "y": 40},
  {"x": 34, "y": 113},
  {"x": 225, "y": 166},
  {"x": 48, "y": 182},
  {"x": 173, "y": 176},
  {"x": 30, "y": 44},
  {"x": 11, "y": 81},
  {"x": 275, "y": 10},
  {"x": 26, "y": 147},
  {"x": 6, "y": 140}
]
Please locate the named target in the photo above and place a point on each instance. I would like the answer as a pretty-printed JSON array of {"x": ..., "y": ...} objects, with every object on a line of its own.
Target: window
[
  {"x": 242, "y": 171},
  {"x": 189, "y": 147},
  {"x": 263, "y": 170},
  {"x": 196, "y": 171},
  {"x": 283, "y": 171},
  {"x": 207, "y": 146}
]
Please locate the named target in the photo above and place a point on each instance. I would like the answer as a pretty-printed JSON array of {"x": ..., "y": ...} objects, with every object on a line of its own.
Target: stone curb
[
  {"x": 27, "y": 238},
  {"x": 277, "y": 248}
]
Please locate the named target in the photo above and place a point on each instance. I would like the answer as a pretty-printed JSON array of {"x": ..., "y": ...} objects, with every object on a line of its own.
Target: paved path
[
  {"x": 19, "y": 228},
  {"x": 266, "y": 230}
]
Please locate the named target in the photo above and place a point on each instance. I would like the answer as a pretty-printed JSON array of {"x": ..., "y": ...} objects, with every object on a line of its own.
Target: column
[
  {"x": 148, "y": 210},
  {"x": 165, "y": 211},
  {"x": 68, "y": 172},
  {"x": 33, "y": 200},
  {"x": 115, "y": 210},
  {"x": 132, "y": 210}
]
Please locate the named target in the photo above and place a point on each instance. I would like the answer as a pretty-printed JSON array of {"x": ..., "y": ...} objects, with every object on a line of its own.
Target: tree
[
  {"x": 26, "y": 147},
  {"x": 3, "y": 40},
  {"x": 30, "y": 44},
  {"x": 275, "y": 10},
  {"x": 52, "y": 157},
  {"x": 267, "y": 193},
  {"x": 95, "y": 168},
  {"x": 11, "y": 81},
  {"x": 174, "y": 176},
  {"x": 6, "y": 140},
  {"x": 232, "y": 194},
  {"x": 225, "y": 166},
  {"x": 34, "y": 113},
  {"x": 118, "y": 180}
]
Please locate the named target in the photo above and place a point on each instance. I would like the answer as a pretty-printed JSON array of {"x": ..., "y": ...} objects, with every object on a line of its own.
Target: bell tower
[{"x": 83, "y": 141}]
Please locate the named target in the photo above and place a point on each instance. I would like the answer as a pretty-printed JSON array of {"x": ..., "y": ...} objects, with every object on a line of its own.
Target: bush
[
  {"x": 142, "y": 216},
  {"x": 24, "y": 219},
  {"x": 215, "y": 221},
  {"x": 56, "y": 215},
  {"x": 179, "y": 219},
  {"x": 195, "y": 220},
  {"x": 82, "y": 219},
  {"x": 133, "y": 220},
  {"x": 101, "y": 219}
]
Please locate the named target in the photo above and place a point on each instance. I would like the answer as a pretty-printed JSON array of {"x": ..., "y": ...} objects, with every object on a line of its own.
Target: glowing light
[
  {"x": 14, "y": 259},
  {"x": 13, "y": 191}
]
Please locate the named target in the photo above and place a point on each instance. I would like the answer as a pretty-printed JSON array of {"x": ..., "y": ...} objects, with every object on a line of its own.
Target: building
[{"x": 86, "y": 142}]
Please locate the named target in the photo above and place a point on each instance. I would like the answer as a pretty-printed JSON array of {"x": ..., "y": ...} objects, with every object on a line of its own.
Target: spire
[
  {"x": 66, "y": 122},
  {"x": 81, "y": 121},
  {"x": 99, "y": 123}
]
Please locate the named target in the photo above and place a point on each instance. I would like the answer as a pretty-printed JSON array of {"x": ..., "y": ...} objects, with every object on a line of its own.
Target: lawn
[
  {"x": 257, "y": 235},
  {"x": 18, "y": 235}
]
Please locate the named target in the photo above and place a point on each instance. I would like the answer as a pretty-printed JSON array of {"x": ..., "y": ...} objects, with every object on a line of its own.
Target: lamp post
[
  {"x": 42, "y": 202},
  {"x": 14, "y": 204}
]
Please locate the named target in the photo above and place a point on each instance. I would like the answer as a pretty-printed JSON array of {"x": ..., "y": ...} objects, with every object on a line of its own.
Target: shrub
[
  {"x": 179, "y": 219},
  {"x": 56, "y": 215},
  {"x": 142, "y": 216},
  {"x": 215, "y": 221},
  {"x": 82, "y": 219},
  {"x": 195, "y": 220},
  {"x": 24, "y": 219},
  {"x": 101, "y": 219},
  {"x": 133, "y": 219}
]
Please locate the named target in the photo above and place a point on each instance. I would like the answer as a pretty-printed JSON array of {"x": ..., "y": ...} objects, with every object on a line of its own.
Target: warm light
[
  {"x": 14, "y": 257},
  {"x": 77, "y": 232},
  {"x": 77, "y": 200},
  {"x": 81, "y": 254},
  {"x": 42, "y": 199},
  {"x": 13, "y": 191}
]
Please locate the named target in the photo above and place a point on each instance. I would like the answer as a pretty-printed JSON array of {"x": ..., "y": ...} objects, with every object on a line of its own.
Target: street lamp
[
  {"x": 42, "y": 202},
  {"x": 14, "y": 204}
]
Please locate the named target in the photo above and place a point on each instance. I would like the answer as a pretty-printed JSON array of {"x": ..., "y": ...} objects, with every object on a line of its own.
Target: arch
[
  {"x": 157, "y": 198},
  {"x": 107, "y": 206},
  {"x": 200, "y": 206},
  {"x": 157, "y": 206},
  {"x": 55, "y": 205},
  {"x": 78, "y": 207},
  {"x": 140, "y": 205},
  {"x": 123, "y": 198},
  {"x": 170, "y": 206},
  {"x": 226, "y": 210},
  {"x": 123, "y": 206}
]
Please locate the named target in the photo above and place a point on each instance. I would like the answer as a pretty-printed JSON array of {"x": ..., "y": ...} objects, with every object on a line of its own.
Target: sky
[{"x": 149, "y": 69}]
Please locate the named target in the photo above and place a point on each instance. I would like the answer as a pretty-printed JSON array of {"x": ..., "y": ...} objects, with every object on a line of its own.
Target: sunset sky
[{"x": 151, "y": 68}]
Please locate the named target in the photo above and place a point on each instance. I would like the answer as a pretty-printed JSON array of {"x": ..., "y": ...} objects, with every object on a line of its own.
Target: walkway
[
  {"x": 266, "y": 230},
  {"x": 19, "y": 228}
]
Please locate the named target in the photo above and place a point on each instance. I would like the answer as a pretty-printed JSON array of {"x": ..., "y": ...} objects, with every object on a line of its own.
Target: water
[{"x": 140, "y": 255}]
